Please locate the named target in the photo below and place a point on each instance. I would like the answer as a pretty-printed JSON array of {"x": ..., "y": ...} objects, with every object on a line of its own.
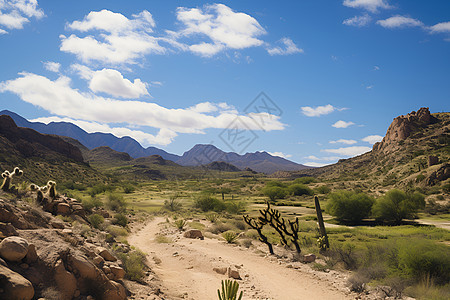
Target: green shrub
[
  {"x": 299, "y": 189},
  {"x": 134, "y": 264},
  {"x": 229, "y": 236},
  {"x": 128, "y": 189},
  {"x": 397, "y": 205},
  {"x": 90, "y": 203},
  {"x": 173, "y": 204},
  {"x": 96, "y": 220},
  {"x": 305, "y": 180},
  {"x": 116, "y": 231},
  {"x": 235, "y": 207},
  {"x": 274, "y": 192},
  {"x": 209, "y": 203},
  {"x": 98, "y": 189},
  {"x": 420, "y": 177},
  {"x": 120, "y": 219},
  {"x": 276, "y": 183},
  {"x": 115, "y": 202},
  {"x": 349, "y": 206},
  {"x": 180, "y": 224},
  {"x": 323, "y": 189},
  {"x": 229, "y": 291}
]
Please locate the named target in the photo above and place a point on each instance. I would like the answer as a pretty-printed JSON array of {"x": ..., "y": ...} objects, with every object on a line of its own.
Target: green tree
[
  {"x": 274, "y": 192},
  {"x": 299, "y": 190},
  {"x": 349, "y": 206},
  {"x": 397, "y": 205}
]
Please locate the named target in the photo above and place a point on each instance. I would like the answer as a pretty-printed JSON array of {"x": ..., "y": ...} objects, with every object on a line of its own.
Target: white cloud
[
  {"x": 343, "y": 141},
  {"x": 315, "y": 164},
  {"x": 280, "y": 154},
  {"x": 342, "y": 124},
  {"x": 349, "y": 151},
  {"x": 112, "y": 82},
  {"x": 289, "y": 48},
  {"x": 60, "y": 99},
  {"x": 440, "y": 27},
  {"x": 14, "y": 14},
  {"x": 370, "y": 5},
  {"x": 118, "y": 40},
  {"x": 223, "y": 28},
  {"x": 358, "y": 21},
  {"x": 376, "y": 68},
  {"x": 312, "y": 157},
  {"x": 372, "y": 139},
  {"x": 400, "y": 22},
  {"x": 326, "y": 158},
  {"x": 163, "y": 138},
  {"x": 318, "y": 110},
  {"x": 369, "y": 87},
  {"x": 52, "y": 66}
]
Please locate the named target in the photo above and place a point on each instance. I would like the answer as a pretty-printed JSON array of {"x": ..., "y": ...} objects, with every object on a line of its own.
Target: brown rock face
[
  {"x": 65, "y": 281},
  {"x": 402, "y": 127},
  {"x": 14, "y": 286}
]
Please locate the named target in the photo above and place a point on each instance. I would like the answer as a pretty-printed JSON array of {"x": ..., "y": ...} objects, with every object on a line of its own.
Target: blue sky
[{"x": 173, "y": 74}]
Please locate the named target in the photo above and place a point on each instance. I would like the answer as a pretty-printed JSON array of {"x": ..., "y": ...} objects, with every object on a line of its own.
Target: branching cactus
[
  {"x": 7, "y": 179},
  {"x": 258, "y": 226},
  {"x": 229, "y": 290},
  {"x": 39, "y": 192},
  {"x": 51, "y": 185}
]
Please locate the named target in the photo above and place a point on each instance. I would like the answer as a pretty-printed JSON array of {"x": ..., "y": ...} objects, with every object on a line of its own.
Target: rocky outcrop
[
  {"x": 440, "y": 174},
  {"x": 403, "y": 127},
  {"x": 14, "y": 286}
]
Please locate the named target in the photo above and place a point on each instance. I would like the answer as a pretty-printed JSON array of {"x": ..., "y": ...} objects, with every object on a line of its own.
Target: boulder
[
  {"x": 118, "y": 272},
  {"x": 13, "y": 248},
  {"x": 222, "y": 271},
  {"x": 31, "y": 256},
  {"x": 14, "y": 286},
  {"x": 83, "y": 267},
  {"x": 309, "y": 258},
  {"x": 7, "y": 230},
  {"x": 65, "y": 281},
  {"x": 58, "y": 224},
  {"x": 194, "y": 234},
  {"x": 233, "y": 274},
  {"x": 103, "y": 252},
  {"x": 63, "y": 209},
  {"x": 114, "y": 291},
  {"x": 98, "y": 261}
]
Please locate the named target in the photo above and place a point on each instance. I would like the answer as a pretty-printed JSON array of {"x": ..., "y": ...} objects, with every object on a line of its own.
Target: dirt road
[{"x": 185, "y": 268}]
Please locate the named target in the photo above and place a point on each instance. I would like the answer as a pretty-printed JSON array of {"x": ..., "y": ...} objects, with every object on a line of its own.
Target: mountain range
[{"x": 198, "y": 155}]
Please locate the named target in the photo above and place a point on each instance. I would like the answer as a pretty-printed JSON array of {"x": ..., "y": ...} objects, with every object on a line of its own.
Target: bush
[
  {"x": 323, "y": 189},
  {"x": 276, "y": 183},
  {"x": 133, "y": 263},
  {"x": 115, "y": 202},
  {"x": 180, "y": 224},
  {"x": 349, "y": 206},
  {"x": 274, "y": 192},
  {"x": 90, "y": 203},
  {"x": 229, "y": 236},
  {"x": 173, "y": 204},
  {"x": 128, "y": 189},
  {"x": 397, "y": 205},
  {"x": 96, "y": 220},
  {"x": 116, "y": 231},
  {"x": 305, "y": 180},
  {"x": 209, "y": 203},
  {"x": 299, "y": 189},
  {"x": 120, "y": 219}
]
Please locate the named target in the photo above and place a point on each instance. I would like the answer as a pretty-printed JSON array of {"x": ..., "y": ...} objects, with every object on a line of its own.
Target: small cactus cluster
[
  {"x": 229, "y": 290},
  {"x": 7, "y": 179},
  {"x": 50, "y": 189}
]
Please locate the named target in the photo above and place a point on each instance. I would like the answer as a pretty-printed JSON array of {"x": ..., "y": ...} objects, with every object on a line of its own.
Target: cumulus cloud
[
  {"x": 318, "y": 110},
  {"x": 400, "y": 22},
  {"x": 60, "y": 99},
  {"x": 163, "y": 138},
  {"x": 289, "y": 48},
  {"x": 112, "y": 82},
  {"x": 342, "y": 124},
  {"x": 221, "y": 26},
  {"x": 349, "y": 151},
  {"x": 358, "y": 21},
  {"x": 52, "y": 66},
  {"x": 372, "y": 139},
  {"x": 14, "y": 14},
  {"x": 115, "y": 39},
  {"x": 440, "y": 27},
  {"x": 343, "y": 141},
  {"x": 370, "y": 5},
  {"x": 280, "y": 154},
  {"x": 315, "y": 164}
]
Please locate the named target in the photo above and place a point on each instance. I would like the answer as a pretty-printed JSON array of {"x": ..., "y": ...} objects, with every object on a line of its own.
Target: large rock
[
  {"x": 83, "y": 267},
  {"x": 14, "y": 286},
  {"x": 103, "y": 252},
  {"x": 193, "y": 234},
  {"x": 13, "y": 248},
  {"x": 118, "y": 272},
  {"x": 63, "y": 209},
  {"x": 233, "y": 274},
  {"x": 31, "y": 256},
  {"x": 114, "y": 291},
  {"x": 65, "y": 281}
]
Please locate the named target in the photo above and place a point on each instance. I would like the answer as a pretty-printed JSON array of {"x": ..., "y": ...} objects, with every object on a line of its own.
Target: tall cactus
[
  {"x": 7, "y": 179},
  {"x": 323, "y": 233},
  {"x": 229, "y": 291},
  {"x": 258, "y": 226},
  {"x": 51, "y": 189}
]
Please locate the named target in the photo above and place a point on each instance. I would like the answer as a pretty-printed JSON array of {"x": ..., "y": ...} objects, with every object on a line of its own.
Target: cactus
[
  {"x": 51, "y": 185},
  {"x": 229, "y": 291},
  {"x": 39, "y": 193},
  {"x": 7, "y": 179},
  {"x": 180, "y": 224},
  {"x": 257, "y": 225},
  {"x": 324, "y": 244}
]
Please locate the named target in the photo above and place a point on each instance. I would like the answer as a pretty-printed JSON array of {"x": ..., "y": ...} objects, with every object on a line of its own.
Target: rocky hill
[
  {"x": 414, "y": 152},
  {"x": 44, "y": 156}
]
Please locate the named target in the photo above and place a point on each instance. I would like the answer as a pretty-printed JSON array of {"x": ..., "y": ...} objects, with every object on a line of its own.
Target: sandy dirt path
[{"x": 185, "y": 268}]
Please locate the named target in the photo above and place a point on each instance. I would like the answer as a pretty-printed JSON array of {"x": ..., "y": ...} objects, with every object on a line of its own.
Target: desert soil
[{"x": 185, "y": 268}]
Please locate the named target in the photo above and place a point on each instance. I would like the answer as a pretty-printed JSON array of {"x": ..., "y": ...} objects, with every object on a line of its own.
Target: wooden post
[{"x": 323, "y": 232}]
